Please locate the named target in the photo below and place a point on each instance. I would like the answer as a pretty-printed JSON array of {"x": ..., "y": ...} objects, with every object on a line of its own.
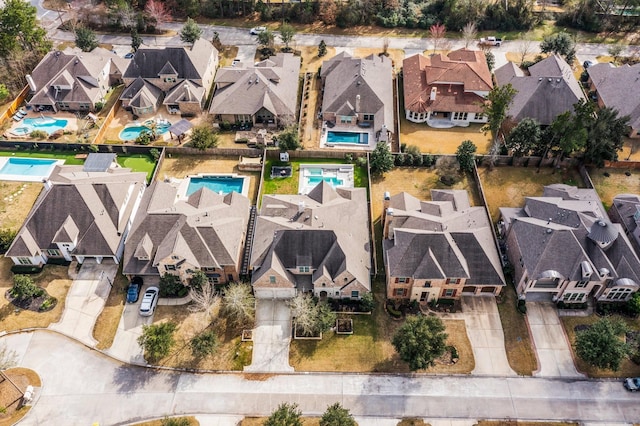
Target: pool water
[
  {"x": 48, "y": 124},
  {"x": 217, "y": 184},
  {"x": 314, "y": 172},
  {"x": 333, "y": 181},
  {"x": 26, "y": 169},
  {"x": 132, "y": 132},
  {"x": 348, "y": 137}
]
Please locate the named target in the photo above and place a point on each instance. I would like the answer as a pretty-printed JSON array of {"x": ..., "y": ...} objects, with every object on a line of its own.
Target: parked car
[
  {"x": 632, "y": 384},
  {"x": 490, "y": 41},
  {"x": 588, "y": 64},
  {"x": 149, "y": 301},
  {"x": 129, "y": 55},
  {"x": 235, "y": 62},
  {"x": 257, "y": 30},
  {"x": 133, "y": 291}
]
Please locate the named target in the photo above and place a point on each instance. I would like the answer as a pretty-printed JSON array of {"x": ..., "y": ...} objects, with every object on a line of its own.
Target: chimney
[
  {"x": 301, "y": 207},
  {"x": 188, "y": 92},
  {"x": 32, "y": 84},
  {"x": 357, "y": 103},
  {"x": 388, "y": 218},
  {"x": 432, "y": 97}
]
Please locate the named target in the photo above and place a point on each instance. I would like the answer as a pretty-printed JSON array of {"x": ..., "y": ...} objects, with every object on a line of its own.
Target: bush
[
  {"x": 38, "y": 134},
  {"x": 157, "y": 340},
  {"x": 6, "y": 238},
  {"x": 361, "y": 162},
  {"x": 399, "y": 159},
  {"x": 99, "y": 106},
  {"x": 367, "y": 302},
  {"x": 48, "y": 304},
  {"x": 24, "y": 288},
  {"x": 155, "y": 154},
  {"x": 172, "y": 286},
  {"x": 393, "y": 311},
  {"x": 521, "y": 306},
  {"x": 454, "y": 352},
  {"x": 144, "y": 138},
  {"x": 204, "y": 344},
  {"x": 428, "y": 160},
  {"x": 203, "y": 137}
]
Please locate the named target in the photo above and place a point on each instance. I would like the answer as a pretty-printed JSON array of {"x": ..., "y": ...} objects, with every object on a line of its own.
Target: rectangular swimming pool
[
  {"x": 26, "y": 169},
  {"x": 336, "y": 175},
  {"x": 217, "y": 184},
  {"x": 333, "y": 181},
  {"x": 357, "y": 138}
]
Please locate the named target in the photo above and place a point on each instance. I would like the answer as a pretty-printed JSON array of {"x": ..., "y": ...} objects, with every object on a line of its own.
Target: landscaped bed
[{"x": 11, "y": 397}]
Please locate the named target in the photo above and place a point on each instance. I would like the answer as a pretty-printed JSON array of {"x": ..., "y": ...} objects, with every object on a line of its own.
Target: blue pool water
[
  {"x": 27, "y": 167},
  {"x": 348, "y": 137},
  {"x": 333, "y": 181},
  {"x": 131, "y": 133},
  {"x": 48, "y": 124},
  {"x": 217, "y": 184},
  {"x": 314, "y": 172}
]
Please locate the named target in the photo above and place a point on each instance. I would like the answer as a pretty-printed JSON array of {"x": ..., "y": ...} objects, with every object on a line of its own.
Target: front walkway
[
  {"x": 550, "y": 341},
  {"x": 271, "y": 337},
  {"x": 85, "y": 300}
]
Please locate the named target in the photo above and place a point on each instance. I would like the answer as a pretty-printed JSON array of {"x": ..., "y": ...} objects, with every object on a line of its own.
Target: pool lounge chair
[{"x": 17, "y": 116}]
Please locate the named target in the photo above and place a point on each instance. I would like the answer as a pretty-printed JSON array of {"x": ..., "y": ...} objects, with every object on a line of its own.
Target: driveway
[
  {"x": 550, "y": 341},
  {"x": 85, "y": 300},
  {"x": 271, "y": 337},
  {"x": 484, "y": 329}
]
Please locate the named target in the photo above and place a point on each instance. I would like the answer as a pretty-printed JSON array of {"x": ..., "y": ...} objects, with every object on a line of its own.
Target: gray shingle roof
[{"x": 614, "y": 84}]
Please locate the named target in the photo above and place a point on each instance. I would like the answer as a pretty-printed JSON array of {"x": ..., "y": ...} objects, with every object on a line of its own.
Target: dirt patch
[
  {"x": 257, "y": 377},
  {"x": 441, "y": 141},
  {"x": 160, "y": 422},
  {"x": 16, "y": 200},
  {"x": 11, "y": 390}
]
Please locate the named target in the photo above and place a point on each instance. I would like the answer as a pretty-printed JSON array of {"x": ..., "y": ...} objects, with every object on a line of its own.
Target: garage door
[
  {"x": 469, "y": 289},
  {"x": 490, "y": 289},
  {"x": 274, "y": 293}
]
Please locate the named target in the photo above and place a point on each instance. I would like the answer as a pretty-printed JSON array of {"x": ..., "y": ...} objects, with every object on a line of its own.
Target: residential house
[
  {"x": 547, "y": 90},
  {"x": 442, "y": 248},
  {"x": 179, "y": 78},
  {"x": 564, "y": 248},
  {"x": 446, "y": 90},
  {"x": 358, "y": 93},
  {"x": 317, "y": 243},
  {"x": 72, "y": 80},
  {"x": 179, "y": 234},
  {"x": 625, "y": 210},
  {"x": 613, "y": 87},
  {"x": 83, "y": 212},
  {"x": 262, "y": 94}
]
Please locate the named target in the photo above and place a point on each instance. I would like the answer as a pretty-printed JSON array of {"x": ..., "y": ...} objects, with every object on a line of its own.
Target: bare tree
[
  {"x": 525, "y": 48},
  {"x": 303, "y": 309},
  {"x": 469, "y": 34},
  {"x": 8, "y": 357},
  {"x": 385, "y": 46},
  {"x": 158, "y": 11},
  {"x": 206, "y": 301},
  {"x": 238, "y": 303},
  {"x": 437, "y": 32}
]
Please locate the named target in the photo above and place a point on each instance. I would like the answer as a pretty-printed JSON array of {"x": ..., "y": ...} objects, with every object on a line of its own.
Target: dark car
[
  {"x": 129, "y": 55},
  {"x": 133, "y": 291}
]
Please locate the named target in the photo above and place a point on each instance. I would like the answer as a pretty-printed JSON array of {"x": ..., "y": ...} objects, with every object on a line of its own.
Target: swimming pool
[
  {"x": 336, "y": 175},
  {"x": 26, "y": 169},
  {"x": 218, "y": 184},
  {"x": 47, "y": 124},
  {"x": 348, "y": 137},
  {"x": 132, "y": 132},
  {"x": 331, "y": 180}
]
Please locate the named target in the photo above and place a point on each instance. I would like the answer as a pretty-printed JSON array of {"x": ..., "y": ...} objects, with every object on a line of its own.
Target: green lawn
[{"x": 138, "y": 163}]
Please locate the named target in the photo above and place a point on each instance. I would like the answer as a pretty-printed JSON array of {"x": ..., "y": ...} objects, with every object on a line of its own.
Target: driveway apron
[
  {"x": 485, "y": 333},
  {"x": 551, "y": 343},
  {"x": 85, "y": 300},
  {"x": 271, "y": 337}
]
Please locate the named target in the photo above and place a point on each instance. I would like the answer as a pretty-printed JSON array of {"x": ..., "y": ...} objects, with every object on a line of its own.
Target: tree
[
  {"x": 203, "y": 137},
  {"x": 306, "y": 314},
  {"x": 157, "y": 340},
  {"x": 602, "y": 345},
  {"x": 466, "y": 154},
  {"x": 490, "y": 58},
  {"x": 524, "y": 138},
  {"x": 633, "y": 305},
  {"x": 136, "y": 40},
  {"x": 285, "y": 415},
  {"x": 238, "y": 303},
  {"x": 328, "y": 11},
  {"x": 4, "y": 93},
  {"x": 287, "y": 32},
  {"x": 336, "y": 415},
  {"x": 204, "y": 344},
  {"x": 567, "y": 133},
  {"x": 469, "y": 34},
  {"x": 190, "y": 32},
  {"x": 6, "y": 238},
  {"x": 420, "y": 340},
  {"x": 204, "y": 299},
  {"x": 266, "y": 38},
  {"x": 605, "y": 133},
  {"x": 367, "y": 301},
  {"x": 24, "y": 288},
  {"x": 86, "y": 39},
  {"x": 560, "y": 43},
  {"x": 322, "y": 49},
  {"x": 19, "y": 29},
  {"x": 8, "y": 357},
  {"x": 288, "y": 139},
  {"x": 498, "y": 101},
  {"x": 171, "y": 286},
  {"x": 615, "y": 50},
  {"x": 157, "y": 10},
  {"x": 524, "y": 48},
  {"x": 381, "y": 159},
  {"x": 437, "y": 32}
]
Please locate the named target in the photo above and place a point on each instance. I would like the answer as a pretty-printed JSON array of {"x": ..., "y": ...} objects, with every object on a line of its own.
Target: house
[
  {"x": 625, "y": 210},
  {"x": 72, "y": 80},
  {"x": 317, "y": 243},
  {"x": 442, "y": 248},
  {"x": 265, "y": 93},
  {"x": 83, "y": 212},
  {"x": 179, "y": 78},
  {"x": 548, "y": 90},
  {"x": 612, "y": 87},
  {"x": 358, "y": 93},
  {"x": 178, "y": 234},
  {"x": 564, "y": 248},
  {"x": 446, "y": 91}
]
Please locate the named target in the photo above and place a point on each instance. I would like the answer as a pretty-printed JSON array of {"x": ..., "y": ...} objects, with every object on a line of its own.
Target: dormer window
[
  {"x": 304, "y": 269},
  {"x": 169, "y": 79}
]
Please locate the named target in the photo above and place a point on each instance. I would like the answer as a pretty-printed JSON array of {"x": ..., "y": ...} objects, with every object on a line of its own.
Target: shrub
[
  {"x": 393, "y": 311},
  {"x": 203, "y": 137},
  {"x": 521, "y": 306},
  {"x": 154, "y": 153},
  {"x": 204, "y": 344},
  {"x": 144, "y": 138},
  {"x": 6, "y": 238},
  {"x": 157, "y": 340},
  {"x": 99, "y": 106},
  {"x": 454, "y": 351},
  {"x": 367, "y": 302},
  {"x": 361, "y": 162},
  {"x": 24, "y": 288},
  {"x": 38, "y": 134},
  {"x": 172, "y": 286},
  {"x": 428, "y": 160},
  {"x": 399, "y": 159},
  {"x": 49, "y": 303}
]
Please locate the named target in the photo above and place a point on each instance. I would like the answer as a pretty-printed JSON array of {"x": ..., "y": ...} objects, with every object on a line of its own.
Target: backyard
[
  {"x": 442, "y": 141},
  {"x": 617, "y": 182},
  {"x": 16, "y": 199}
]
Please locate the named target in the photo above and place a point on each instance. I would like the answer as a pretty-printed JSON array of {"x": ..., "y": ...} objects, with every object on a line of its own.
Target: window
[
  {"x": 547, "y": 283},
  {"x": 355, "y": 294},
  {"x": 272, "y": 279},
  {"x": 619, "y": 294},
  {"x": 24, "y": 261},
  {"x": 427, "y": 284},
  {"x": 53, "y": 252},
  {"x": 174, "y": 257},
  {"x": 573, "y": 297},
  {"x": 169, "y": 80},
  {"x": 304, "y": 269},
  {"x": 449, "y": 292},
  {"x": 581, "y": 284},
  {"x": 453, "y": 280},
  {"x": 402, "y": 280},
  {"x": 459, "y": 115},
  {"x": 400, "y": 292},
  {"x": 345, "y": 120},
  {"x": 367, "y": 117},
  {"x": 213, "y": 280},
  {"x": 208, "y": 269},
  {"x": 169, "y": 267}
]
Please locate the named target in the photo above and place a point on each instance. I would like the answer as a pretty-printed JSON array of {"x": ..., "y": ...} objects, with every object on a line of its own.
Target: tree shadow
[{"x": 130, "y": 379}]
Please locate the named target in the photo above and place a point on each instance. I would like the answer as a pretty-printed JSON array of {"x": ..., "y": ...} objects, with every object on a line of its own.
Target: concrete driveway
[
  {"x": 550, "y": 341},
  {"x": 484, "y": 329},
  {"x": 85, "y": 300},
  {"x": 271, "y": 337},
  {"x": 125, "y": 345}
]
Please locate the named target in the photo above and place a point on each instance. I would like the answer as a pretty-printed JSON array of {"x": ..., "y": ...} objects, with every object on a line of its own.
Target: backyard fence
[{"x": 15, "y": 104}]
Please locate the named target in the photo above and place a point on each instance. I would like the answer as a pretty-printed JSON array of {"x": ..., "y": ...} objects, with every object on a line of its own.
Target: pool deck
[
  {"x": 350, "y": 146},
  {"x": 184, "y": 183},
  {"x": 344, "y": 172},
  {"x": 27, "y": 178},
  {"x": 72, "y": 122}
]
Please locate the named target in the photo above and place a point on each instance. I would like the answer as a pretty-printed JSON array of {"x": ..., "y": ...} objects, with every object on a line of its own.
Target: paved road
[{"x": 94, "y": 388}]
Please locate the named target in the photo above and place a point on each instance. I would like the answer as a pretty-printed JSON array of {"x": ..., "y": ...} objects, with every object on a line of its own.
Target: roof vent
[
  {"x": 550, "y": 80},
  {"x": 558, "y": 81},
  {"x": 540, "y": 79},
  {"x": 548, "y": 231}
]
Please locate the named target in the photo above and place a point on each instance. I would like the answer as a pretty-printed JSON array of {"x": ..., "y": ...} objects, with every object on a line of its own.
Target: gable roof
[
  {"x": 549, "y": 90},
  {"x": 271, "y": 84},
  {"x": 461, "y": 80},
  {"x": 613, "y": 85},
  {"x": 346, "y": 78}
]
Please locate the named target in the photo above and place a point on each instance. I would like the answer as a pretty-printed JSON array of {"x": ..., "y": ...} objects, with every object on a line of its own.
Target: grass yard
[
  {"x": 54, "y": 279},
  {"x": 160, "y": 422},
  {"x": 441, "y": 141},
  {"x": 138, "y": 163},
  {"x": 310, "y": 59},
  {"x": 180, "y": 166},
  {"x": 517, "y": 342},
  {"x": 630, "y": 149},
  {"x": 10, "y": 396},
  {"x": 16, "y": 200},
  {"x": 627, "y": 368},
  {"x": 227, "y": 55},
  {"x": 232, "y": 353},
  {"x": 508, "y": 186},
  {"x": 617, "y": 183},
  {"x": 106, "y": 326},
  {"x": 396, "y": 55}
]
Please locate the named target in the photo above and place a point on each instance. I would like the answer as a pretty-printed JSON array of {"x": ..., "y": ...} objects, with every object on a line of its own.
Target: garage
[
  {"x": 489, "y": 289},
  {"x": 274, "y": 293},
  {"x": 470, "y": 289}
]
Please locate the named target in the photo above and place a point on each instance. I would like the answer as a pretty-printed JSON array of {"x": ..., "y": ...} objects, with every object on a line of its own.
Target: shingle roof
[{"x": 613, "y": 85}]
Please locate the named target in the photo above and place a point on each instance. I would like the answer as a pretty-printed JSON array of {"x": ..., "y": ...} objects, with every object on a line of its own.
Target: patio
[
  {"x": 75, "y": 128},
  {"x": 369, "y": 133}
]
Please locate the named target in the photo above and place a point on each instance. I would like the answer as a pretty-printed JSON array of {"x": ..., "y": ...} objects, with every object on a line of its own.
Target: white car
[
  {"x": 257, "y": 30},
  {"x": 632, "y": 384},
  {"x": 149, "y": 301}
]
